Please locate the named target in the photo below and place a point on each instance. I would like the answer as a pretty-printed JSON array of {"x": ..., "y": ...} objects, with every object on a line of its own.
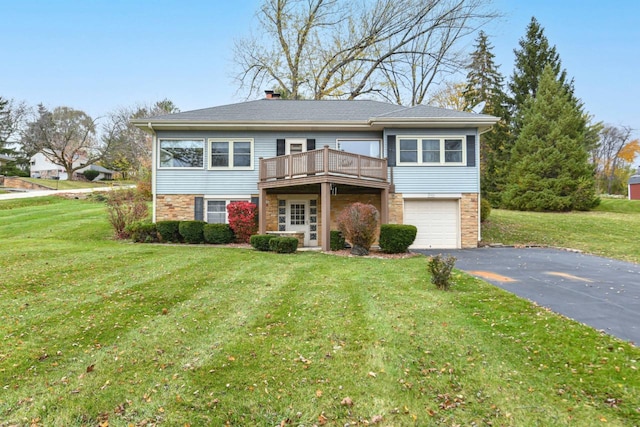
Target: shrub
[
  {"x": 143, "y": 232},
  {"x": 218, "y": 234},
  {"x": 283, "y": 245},
  {"x": 358, "y": 223},
  {"x": 192, "y": 231},
  {"x": 243, "y": 220},
  {"x": 143, "y": 185},
  {"x": 125, "y": 207},
  {"x": 90, "y": 174},
  {"x": 337, "y": 241},
  {"x": 396, "y": 238},
  {"x": 169, "y": 231},
  {"x": 440, "y": 269},
  {"x": 261, "y": 241},
  {"x": 485, "y": 210}
]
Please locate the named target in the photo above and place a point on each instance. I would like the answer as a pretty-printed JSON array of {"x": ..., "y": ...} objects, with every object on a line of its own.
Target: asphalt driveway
[{"x": 599, "y": 292}]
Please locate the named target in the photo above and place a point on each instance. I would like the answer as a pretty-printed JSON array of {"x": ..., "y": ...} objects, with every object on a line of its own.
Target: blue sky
[{"x": 103, "y": 54}]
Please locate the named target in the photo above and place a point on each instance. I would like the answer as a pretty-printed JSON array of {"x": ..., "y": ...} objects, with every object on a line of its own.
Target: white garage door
[{"x": 438, "y": 223}]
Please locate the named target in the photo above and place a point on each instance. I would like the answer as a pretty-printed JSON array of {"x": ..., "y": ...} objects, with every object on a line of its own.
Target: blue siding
[
  {"x": 436, "y": 179},
  {"x": 236, "y": 182}
]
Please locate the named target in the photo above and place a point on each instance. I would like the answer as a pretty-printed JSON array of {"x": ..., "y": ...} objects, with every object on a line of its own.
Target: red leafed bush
[
  {"x": 358, "y": 223},
  {"x": 243, "y": 220}
]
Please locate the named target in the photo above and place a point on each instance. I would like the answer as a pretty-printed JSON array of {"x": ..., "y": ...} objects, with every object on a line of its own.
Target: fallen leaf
[
  {"x": 372, "y": 374},
  {"x": 322, "y": 420},
  {"x": 318, "y": 393},
  {"x": 346, "y": 402},
  {"x": 376, "y": 419},
  {"x": 90, "y": 368}
]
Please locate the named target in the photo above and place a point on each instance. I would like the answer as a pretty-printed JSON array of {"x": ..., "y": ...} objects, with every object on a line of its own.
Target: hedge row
[
  {"x": 181, "y": 232},
  {"x": 269, "y": 242}
]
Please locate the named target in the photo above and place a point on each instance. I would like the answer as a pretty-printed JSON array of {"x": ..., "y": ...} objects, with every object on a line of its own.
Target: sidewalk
[{"x": 40, "y": 193}]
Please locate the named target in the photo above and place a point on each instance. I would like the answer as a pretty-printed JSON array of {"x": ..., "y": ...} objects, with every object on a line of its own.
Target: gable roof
[
  {"x": 315, "y": 114},
  {"x": 635, "y": 179}
]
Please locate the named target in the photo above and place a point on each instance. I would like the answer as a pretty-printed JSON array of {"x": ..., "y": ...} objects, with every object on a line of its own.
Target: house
[
  {"x": 303, "y": 161},
  {"x": 634, "y": 186},
  {"x": 42, "y": 167}
]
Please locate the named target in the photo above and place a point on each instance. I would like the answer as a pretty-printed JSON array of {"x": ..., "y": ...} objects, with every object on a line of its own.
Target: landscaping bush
[
  {"x": 143, "y": 232},
  {"x": 440, "y": 269},
  {"x": 396, "y": 238},
  {"x": 337, "y": 241},
  {"x": 283, "y": 245},
  {"x": 192, "y": 231},
  {"x": 90, "y": 174},
  {"x": 169, "y": 231},
  {"x": 125, "y": 207},
  {"x": 358, "y": 223},
  {"x": 485, "y": 210},
  {"x": 218, "y": 234},
  {"x": 261, "y": 241},
  {"x": 243, "y": 220}
]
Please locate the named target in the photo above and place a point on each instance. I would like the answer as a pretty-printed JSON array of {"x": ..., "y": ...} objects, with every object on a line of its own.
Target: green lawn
[
  {"x": 95, "y": 331},
  {"x": 610, "y": 230}
]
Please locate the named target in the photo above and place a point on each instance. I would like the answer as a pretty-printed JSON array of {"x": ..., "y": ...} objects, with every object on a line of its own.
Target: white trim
[
  {"x": 231, "y": 142},
  {"x": 159, "y": 166},
  {"x": 154, "y": 155},
  {"x": 289, "y": 141},
  {"x": 421, "y": 138},
  {"x": 433, "y": 196}
]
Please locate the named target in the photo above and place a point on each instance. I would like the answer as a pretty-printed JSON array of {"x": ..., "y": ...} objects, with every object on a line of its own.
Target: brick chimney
[{"x": 269, "y": 94}]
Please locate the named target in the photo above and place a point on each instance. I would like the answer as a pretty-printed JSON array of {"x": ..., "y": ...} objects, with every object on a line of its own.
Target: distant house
[
  {"x": 42, "y": 167},
  {"x": 302, "y": 162},
  {"x": 634, "y": 186}
]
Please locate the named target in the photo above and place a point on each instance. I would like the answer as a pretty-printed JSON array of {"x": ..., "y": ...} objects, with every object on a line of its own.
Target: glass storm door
[{"x": 298, "y": 218}]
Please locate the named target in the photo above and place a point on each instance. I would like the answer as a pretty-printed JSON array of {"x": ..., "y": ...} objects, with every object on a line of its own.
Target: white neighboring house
[{"x": 42, "y": 167}]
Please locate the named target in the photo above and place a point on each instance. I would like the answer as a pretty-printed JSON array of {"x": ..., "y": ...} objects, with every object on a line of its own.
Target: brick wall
[
  {"x": 176, "y": 207},
  {"x": 469, "y": 220},
  {"x": 14, "y": 182},
  {"x": 396, "y": 208}
]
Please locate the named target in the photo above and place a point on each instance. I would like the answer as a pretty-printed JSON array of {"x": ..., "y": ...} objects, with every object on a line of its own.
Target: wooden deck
[{"x": 323, "y": 162}]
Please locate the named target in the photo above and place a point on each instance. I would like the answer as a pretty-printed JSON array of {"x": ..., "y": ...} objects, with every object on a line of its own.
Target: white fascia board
[{"x": 451, "y": 196}]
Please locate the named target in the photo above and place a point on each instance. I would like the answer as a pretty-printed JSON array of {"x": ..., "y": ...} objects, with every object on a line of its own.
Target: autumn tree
[
  {"x": 64, "y": 136},
  {"x": 613, "y": 157},
  {"x": 450, "y": 96},
  {"x": 131, "y": 147},
  {"x": 392, "y": 49},
  {"x": 550, "y": 168},
  {"x": 485, "y": 89}
]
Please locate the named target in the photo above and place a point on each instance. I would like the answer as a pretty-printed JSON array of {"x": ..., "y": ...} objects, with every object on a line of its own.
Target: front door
[{"x": 299, "y": 219}]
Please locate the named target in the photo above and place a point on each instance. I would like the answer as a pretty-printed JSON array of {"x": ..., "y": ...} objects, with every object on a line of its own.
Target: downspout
[{"x": 153, "y": 171}]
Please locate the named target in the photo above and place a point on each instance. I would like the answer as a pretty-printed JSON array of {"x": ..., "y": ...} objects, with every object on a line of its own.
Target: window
[
  {"x": 227, "y": 154},
  {"x": 181, "y": 153},
  {"x": 216, "y": 210},
  {"x": 365, "y": 147},
  {"x": 431, "y": 150}
]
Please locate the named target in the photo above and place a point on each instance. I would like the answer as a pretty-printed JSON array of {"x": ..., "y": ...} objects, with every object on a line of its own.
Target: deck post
[
  {"x": 262, "y": 213},
  {"x": 384, "y": 206},
  {"x": 325, "y": 195},
  {"x": 325, "y": 160}
]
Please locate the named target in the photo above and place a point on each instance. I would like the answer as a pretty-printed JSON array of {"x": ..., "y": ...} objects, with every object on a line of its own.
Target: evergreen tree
[
  {"x": 485, "y": 85},
  {"x": 534, "y": 55},
  {"x": 549, "y": 168}
]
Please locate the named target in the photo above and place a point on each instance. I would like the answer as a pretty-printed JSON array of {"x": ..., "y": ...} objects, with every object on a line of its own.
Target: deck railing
[{"x": 324, "y": 161}]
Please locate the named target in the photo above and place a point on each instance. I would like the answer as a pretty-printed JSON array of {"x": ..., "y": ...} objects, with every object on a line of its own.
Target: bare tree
[
  {"x": 131, "y": 147},
  {"x": 65, "y": 136},
  {"x": 391, "y": 49},
  {"x": 12, "y": 119}
]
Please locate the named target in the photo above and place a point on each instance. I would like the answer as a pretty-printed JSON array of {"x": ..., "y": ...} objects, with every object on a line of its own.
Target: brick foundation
[{"x": 175, "y": 207}]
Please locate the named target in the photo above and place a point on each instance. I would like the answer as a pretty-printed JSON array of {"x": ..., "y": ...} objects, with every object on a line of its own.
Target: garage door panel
[{"x": 437, "y": 222}]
